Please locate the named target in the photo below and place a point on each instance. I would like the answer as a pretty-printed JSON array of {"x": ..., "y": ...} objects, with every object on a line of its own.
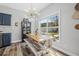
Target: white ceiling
[{"x": 25, "y": 6}]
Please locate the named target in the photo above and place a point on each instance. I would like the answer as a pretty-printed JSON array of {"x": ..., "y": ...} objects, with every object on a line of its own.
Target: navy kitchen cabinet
[
  {"x": 6, "y": 39},
  {"x": 0, "y": 39},
  {"x": 5, "y": 19},
  {"x": 1, "y": 19}
]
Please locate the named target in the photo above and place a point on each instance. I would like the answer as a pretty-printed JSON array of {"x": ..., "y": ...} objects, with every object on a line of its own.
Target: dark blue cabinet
[
  {"x": 5, "y": 19},
  {"x": 0, "y": 39},
  {"x": 1, "y": 19},
  {"x": 6, "y": 39}
]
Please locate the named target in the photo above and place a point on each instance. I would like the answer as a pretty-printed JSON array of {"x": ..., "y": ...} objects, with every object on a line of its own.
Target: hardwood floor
[
  {"x": 10, "y": 50},
  {"x": 19, "y": 49}
]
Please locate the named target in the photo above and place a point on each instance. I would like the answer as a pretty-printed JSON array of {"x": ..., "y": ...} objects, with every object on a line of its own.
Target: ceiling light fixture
[{"x": 32, "y": 12}]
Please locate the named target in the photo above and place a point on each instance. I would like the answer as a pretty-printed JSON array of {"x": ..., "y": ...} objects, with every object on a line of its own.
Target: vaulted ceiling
[{"x": 25, "y": 6}]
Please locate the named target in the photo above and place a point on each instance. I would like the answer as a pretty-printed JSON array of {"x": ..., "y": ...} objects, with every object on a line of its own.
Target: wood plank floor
[{"x": 19, "y": 49}]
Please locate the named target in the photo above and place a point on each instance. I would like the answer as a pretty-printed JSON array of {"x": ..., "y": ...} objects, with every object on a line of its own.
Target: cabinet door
[
  {"x": 1, "y": 19},
  {"x": 6, "y": 39},
  {"x": 0, "y": 39},
  {"x": 6, "y": 19}
]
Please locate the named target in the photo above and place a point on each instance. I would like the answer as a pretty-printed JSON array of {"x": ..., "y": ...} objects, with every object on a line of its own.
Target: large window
[{"x": 50, "y": 25}]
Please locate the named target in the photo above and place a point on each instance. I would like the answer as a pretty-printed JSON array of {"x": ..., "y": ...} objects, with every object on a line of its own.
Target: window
[{"x": 50, "y": 25}]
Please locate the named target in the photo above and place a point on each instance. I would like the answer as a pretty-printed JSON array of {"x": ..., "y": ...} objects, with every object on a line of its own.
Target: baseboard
[
  {"x": 64, "y": 51},
  {"x": 16, "y": 41}
]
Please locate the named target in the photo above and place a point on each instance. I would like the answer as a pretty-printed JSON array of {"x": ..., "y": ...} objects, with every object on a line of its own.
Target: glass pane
[
  {"x": 43, "y": 24},
  {"x": 53, "y": 21},
  {"x": 53, "y": 31},
  {"x": 43, "y": 30}
]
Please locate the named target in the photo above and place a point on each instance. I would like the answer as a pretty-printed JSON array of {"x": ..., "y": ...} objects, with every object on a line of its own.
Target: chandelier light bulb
[{"x": 32, "y": 12}]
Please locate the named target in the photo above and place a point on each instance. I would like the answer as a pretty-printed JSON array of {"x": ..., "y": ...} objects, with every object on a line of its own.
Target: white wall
[
  {"x": 34, "y": 24},
  {"x": 17, "y": 16},
  {"x": 69, "y": 39}
]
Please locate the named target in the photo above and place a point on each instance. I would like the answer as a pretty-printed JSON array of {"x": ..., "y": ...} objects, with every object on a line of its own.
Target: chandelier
[{"x": 32, "y": 12}]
